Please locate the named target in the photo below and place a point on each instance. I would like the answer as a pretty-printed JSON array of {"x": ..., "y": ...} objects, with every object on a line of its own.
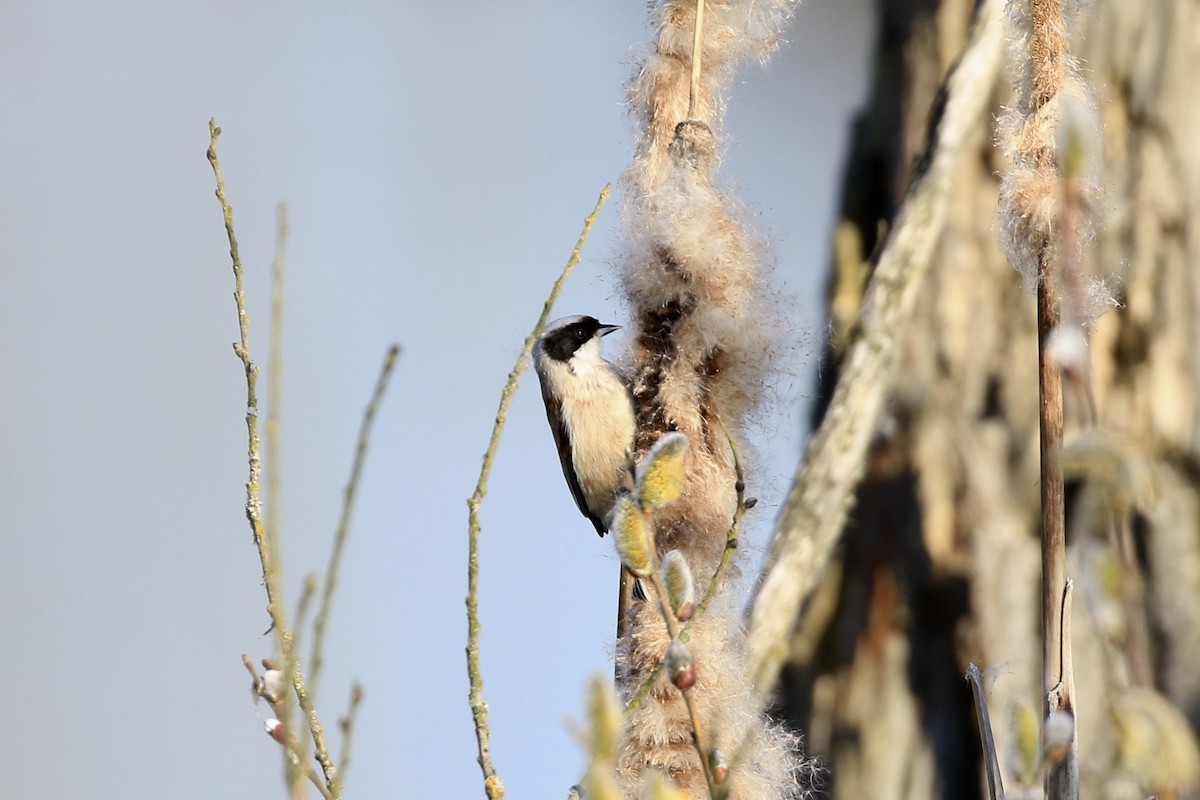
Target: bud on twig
[
  {"x": 275, "y": 730},
  {"x": 681, "y": 586},
  {"x": 718, "y": 765},
  {"x": 273, "y": 685},
  {"x": 679, "y": 665}
]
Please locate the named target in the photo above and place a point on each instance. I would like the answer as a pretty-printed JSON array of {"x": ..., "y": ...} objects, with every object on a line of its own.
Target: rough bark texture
[{"x": 940, "y": 563}]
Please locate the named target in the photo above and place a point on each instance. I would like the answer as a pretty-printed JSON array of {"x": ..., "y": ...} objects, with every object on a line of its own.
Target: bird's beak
[{"x": 605, "y": 330}]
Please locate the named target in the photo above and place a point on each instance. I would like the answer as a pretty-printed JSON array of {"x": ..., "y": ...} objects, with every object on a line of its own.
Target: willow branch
[
  {"x": 264, "y": 539},
  {"x": 347, "y": 725},
  {"x": 731, "y": 543},
  {"x": 675, "y": 629},
  {"x": 492, "y": 784},
  {"x": 349, "y": 494}
]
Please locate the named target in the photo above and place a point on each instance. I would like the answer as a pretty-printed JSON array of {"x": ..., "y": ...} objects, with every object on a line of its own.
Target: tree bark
[{"x": 940, "y": 562}]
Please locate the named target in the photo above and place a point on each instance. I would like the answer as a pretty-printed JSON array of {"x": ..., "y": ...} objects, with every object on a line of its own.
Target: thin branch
[
  {"x": 347, "y": 725},
  {"x": 674, "y": 629},
  {"x": 492, "y": 784},
  {"x": 317, "y": 730},
  {"x": 315, "y": 780},
  {"x": 291, "y": 667},
  {"x": 264, "y": 539},
  {"x": 731, "y": 537},
  {"x": 343, "y": 528},
  {"x": 295, "y": 757},
  {"x": 814, "y": 512}
]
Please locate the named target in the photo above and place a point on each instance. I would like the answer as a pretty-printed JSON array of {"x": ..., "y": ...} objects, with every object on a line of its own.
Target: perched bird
[{"x": 590, "y": 410}]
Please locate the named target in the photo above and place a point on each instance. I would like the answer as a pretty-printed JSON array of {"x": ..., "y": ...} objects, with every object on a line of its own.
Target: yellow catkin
[
  {"x": 632, "y": 536},
  {"x": 661, "y": 476}
]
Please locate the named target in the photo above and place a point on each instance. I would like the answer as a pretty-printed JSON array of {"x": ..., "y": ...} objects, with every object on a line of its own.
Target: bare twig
[
  {"x": 316, "y": 781},
  {"x": 347, "y": 725},
  {"x": 258, "y": 686},
  {"x": 294, "y": 755},
  {"x": 242, "y": 349},
  {"x": 291, "y": 666},
  {"x": 731, "y": 537},
  {"x": 317, "y": 730},
  {"x": 263, "y": 539},
  {"x": 492, "y": 784},
  {"x": 343, "y": 528},
  {"x": 991, "y": 761},
  {"x": 674, "y": 629},
  {"x": 815, "y": 510}
]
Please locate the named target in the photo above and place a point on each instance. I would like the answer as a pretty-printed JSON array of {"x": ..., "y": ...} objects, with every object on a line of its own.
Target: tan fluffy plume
[{"x": 694, "y": 283}]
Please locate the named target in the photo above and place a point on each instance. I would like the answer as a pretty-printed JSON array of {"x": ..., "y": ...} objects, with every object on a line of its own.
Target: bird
[{"x": 590, "y": 410}]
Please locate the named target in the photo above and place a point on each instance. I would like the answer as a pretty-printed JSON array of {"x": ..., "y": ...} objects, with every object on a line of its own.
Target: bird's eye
[{"x": 581, "y": 334}]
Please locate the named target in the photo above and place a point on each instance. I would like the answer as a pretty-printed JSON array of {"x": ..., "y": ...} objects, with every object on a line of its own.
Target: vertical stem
[
  {"x": 1059, "y": 783},
  {"x": 1050, "y": 419}
]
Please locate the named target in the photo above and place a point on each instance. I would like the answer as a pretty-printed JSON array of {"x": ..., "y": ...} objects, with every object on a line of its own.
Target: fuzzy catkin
[
  {"x": 692, "y": 278},
  {"x": 1052, "y": 99}
]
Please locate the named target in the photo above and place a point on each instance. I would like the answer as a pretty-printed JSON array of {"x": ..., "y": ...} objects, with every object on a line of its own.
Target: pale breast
[{"x": 599, "y": 420}]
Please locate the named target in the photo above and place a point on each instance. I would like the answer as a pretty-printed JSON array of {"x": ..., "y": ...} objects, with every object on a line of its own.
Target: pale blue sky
[{"x": 437, "y": 159}]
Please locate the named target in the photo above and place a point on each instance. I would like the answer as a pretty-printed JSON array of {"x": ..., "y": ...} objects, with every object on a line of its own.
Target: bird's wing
[{"x": 562, "y": 439}]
